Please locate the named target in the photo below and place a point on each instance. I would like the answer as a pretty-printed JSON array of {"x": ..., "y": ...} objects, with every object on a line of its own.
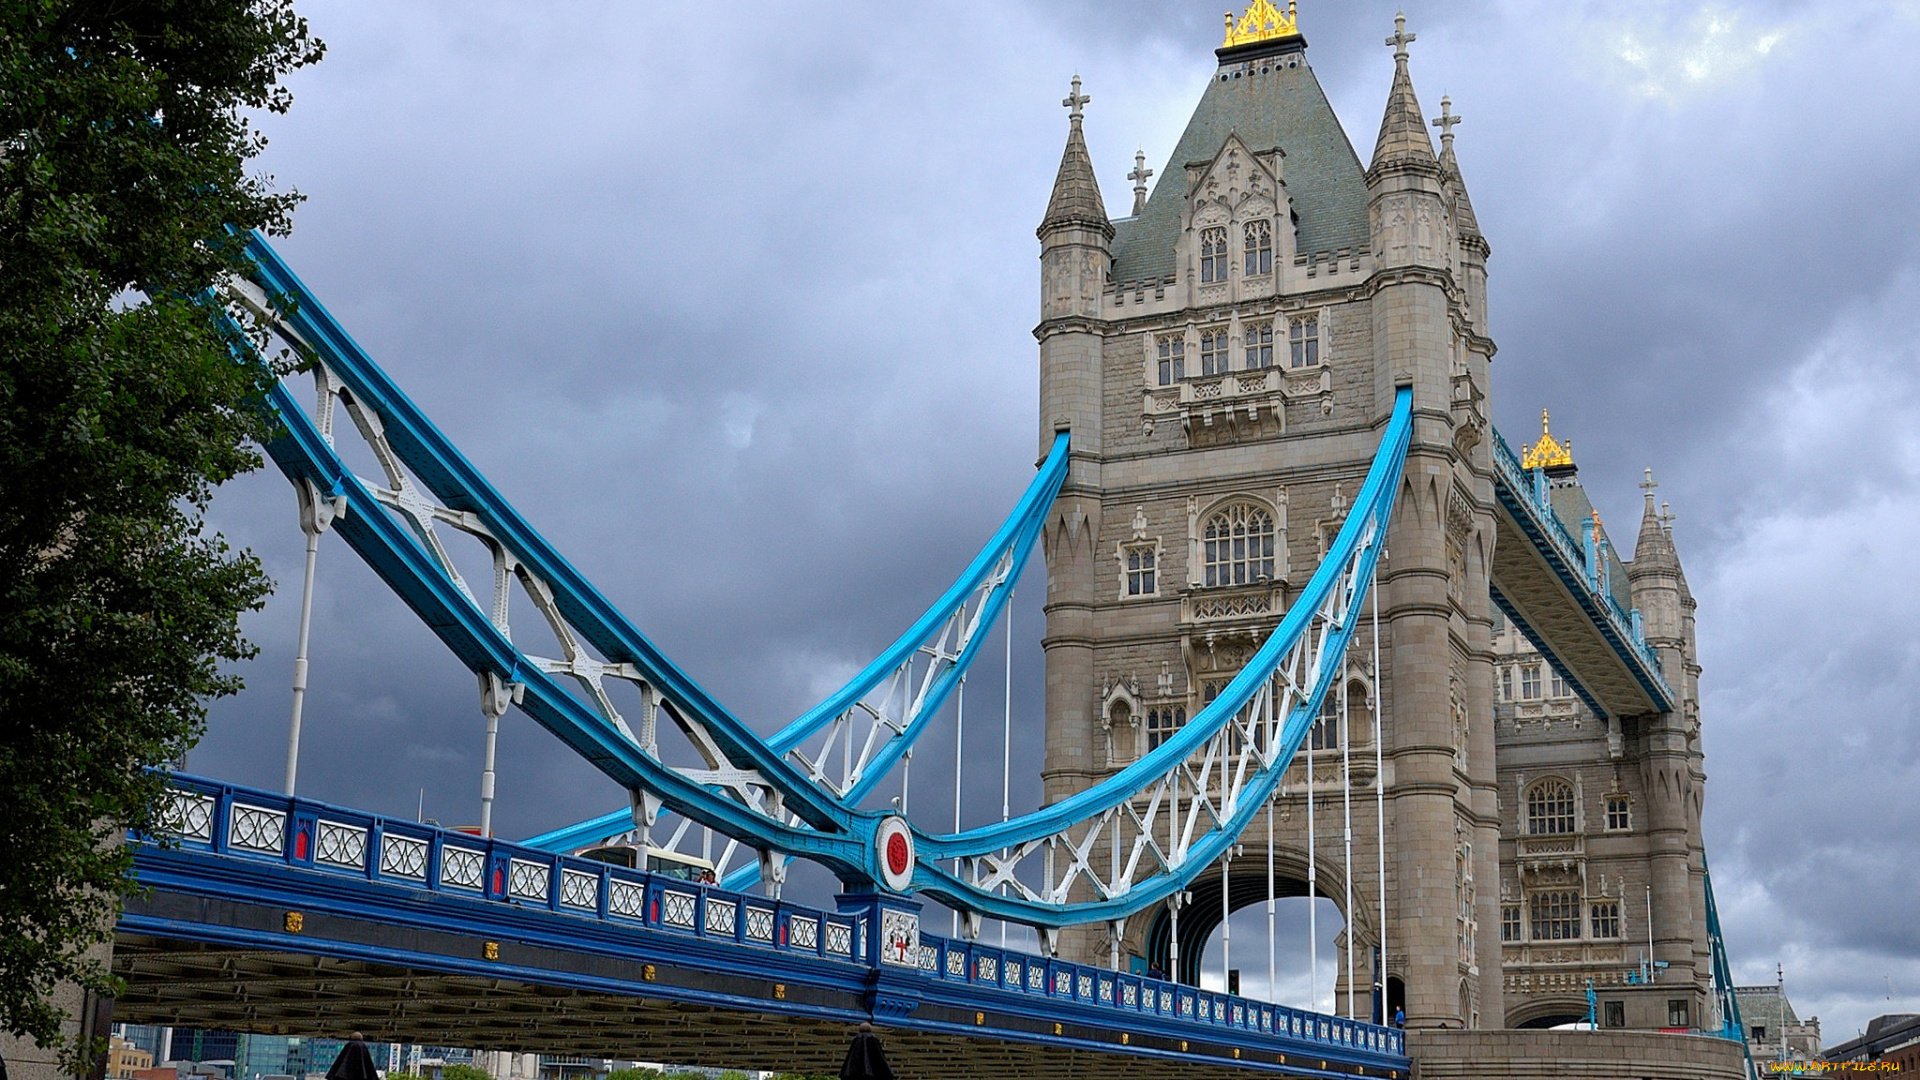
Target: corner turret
[
  {"x": 1474, "y": 248},
  {"x": 1076, "y": 202},
  {"x": 1075, "y": 254},
  {"x": 1403, "y": 142}
]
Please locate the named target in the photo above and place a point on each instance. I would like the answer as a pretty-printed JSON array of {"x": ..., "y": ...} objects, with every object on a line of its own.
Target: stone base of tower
[{"x": 1572, "y": 1055}]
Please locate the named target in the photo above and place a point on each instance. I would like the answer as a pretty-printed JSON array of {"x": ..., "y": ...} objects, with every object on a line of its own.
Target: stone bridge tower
[{"x": 1226, "y": 357}]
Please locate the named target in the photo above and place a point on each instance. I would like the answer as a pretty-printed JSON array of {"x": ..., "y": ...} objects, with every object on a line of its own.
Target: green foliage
[
  {"x": 462, "y": 1071},
  {"x": 634, "y": 1074},
  {"x": 801, "y": 1076},
  {"x": 123, "y": 159}
]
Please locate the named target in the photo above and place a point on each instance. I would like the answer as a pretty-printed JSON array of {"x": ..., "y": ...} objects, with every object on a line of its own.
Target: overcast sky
[{"x": 735, "y": 305}]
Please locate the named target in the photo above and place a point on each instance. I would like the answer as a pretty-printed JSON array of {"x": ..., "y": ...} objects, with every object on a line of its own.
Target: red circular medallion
[{"x": 899, "y": 859}]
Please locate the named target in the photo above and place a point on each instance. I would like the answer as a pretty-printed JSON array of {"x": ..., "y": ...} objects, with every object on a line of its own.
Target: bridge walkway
[{"x": 285, "y": 915}]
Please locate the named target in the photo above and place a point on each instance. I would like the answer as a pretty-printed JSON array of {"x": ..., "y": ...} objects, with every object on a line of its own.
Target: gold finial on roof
[
  {"x": 1549, "y": 452},
  {"x": 1262, "y": 22}
]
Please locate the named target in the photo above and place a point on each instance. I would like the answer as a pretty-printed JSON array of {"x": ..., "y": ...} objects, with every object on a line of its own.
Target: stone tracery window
[
  {"x": 1213, "y": 254},
  {"x": 1258, "y": 338},
  {"x": 1530, "y": 682},
  {"x": 1556, "y": 916},
  {"x": 1142, "y": 572},
  {"x": 1303, "y": 337},
  {"x": 1325, "y": 734},
  {"x": 1510, "y": 923},
  {"x": 1162, "y": 722},
  {"x": 1606, "y": 919},
  {"x": 1237, "y": 546},
  {"x": 1550, "y": 808},
  {"x": 1173, "y": 358},
  {"x": 1214, "y": 357},
  {"x": 1259, "y": 247}
]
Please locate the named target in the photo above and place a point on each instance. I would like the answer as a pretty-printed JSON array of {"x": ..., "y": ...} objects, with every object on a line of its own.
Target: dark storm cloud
[{"x": 737, "y": 312}]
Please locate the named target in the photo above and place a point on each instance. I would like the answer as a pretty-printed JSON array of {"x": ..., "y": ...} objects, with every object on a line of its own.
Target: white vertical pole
[
  {"x": 1173, "y": 940},
  {"x": 1313, "y": 886},
  {"x": 1346, "y": 799},
  {"x": 1652, "y": 971},
  {"x": 1119, "y": 925},
  {"x": 1273, "y": 994},
  {"x": 959, "y": 747},
  {"x": 316, "y": 515},
  {"x": 1006, "y": 743},
  {"x": 1226, "y": 922},
  {"x": 300, "y": 658},
  {"x": 1380, "y": 795},
  {"x": 1173, "y": 837},
  {"x": 486, "y": 774}
]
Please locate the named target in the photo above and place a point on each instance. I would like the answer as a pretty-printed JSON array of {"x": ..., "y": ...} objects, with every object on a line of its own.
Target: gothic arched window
[
  {"x": 1213, "y": 254},
  {"x": 1325, "y": 734},
  {"x": 1549, "y": 808},
  {"x": 1162, "y": 723},
  {"x": 1259, "y": 342},
  {"x": 1259, "y": 247},
  {"x": 1238, "y": 546},
  {"x": 1213, "y": 352}
]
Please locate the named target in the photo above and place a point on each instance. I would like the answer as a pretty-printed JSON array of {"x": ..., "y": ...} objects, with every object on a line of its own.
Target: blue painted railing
[
  {"x": 1532, "y": 496},
  {"x": 231, "y": 821}
]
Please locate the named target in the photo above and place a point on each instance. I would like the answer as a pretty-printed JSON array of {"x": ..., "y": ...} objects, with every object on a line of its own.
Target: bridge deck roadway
[
  {"x": 1542, "y": 583},
  {"x": 285, "y": 916}
]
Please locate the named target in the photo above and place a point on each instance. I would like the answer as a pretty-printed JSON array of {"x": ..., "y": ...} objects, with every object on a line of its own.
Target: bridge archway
[
  {"x": 1543, "y": 1013},
  {"x": 1202, "y": 915}
]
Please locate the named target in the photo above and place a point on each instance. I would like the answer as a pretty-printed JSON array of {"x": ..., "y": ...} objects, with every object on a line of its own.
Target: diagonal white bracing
[
  {"x": 1146, "y": 831},
  {"x": 400, "y": 492},
  {"x": 432, "y": 495},
  {"x": 1101, "y": 854},
  {"x": 851, "y": 750},
  {"x": 1159, "y": 830}
]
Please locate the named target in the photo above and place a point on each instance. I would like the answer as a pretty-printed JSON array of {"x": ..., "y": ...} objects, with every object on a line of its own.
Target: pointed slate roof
[
  {"x": 1076, "y": 193},
  {"x": 1653, "y": 548},
  {"x": 1403, "y": 130},
  {"x": 1271, "y": 100},
  {"x": 1463, "y": 217}
]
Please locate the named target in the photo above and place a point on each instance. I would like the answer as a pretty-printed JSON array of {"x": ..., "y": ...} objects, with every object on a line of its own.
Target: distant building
[
  {"x": 146, "y": 1037},
  {"x": 1774, "y": 1031},
  {"x": 1893, "y": 1038},
  {"x": 125, "y": 1059},
  {"x": 203, "y": 1045}
]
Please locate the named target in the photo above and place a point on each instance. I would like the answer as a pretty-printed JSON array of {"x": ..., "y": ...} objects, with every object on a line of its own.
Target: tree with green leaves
[
  {"x": 463, "y": 1071},
  {"x": 126, "y": 137}
]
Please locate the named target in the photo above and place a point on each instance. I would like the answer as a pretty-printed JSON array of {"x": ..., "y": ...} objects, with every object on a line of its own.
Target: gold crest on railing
[{"x": 1262, "y": 22}]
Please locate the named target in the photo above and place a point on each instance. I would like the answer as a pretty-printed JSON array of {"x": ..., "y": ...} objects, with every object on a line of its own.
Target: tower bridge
[{"x": 1292, "y": 572}]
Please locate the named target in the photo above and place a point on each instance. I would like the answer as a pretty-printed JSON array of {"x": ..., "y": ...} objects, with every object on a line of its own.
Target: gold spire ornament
[
  {"x": 1262, "y": 22},
  {"x": 1549, "y": 452}
]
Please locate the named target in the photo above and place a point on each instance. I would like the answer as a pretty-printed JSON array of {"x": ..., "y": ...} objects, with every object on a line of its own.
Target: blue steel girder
[
  {"x": 1208, "y": 781},
  {"x": 252, "y": 876},
  {"x": 403, "y": 557},
  {"x": 1205, "y": 784},
  {"x": 1551, "y": 588},
  {"x": 752, "y": 792}
]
